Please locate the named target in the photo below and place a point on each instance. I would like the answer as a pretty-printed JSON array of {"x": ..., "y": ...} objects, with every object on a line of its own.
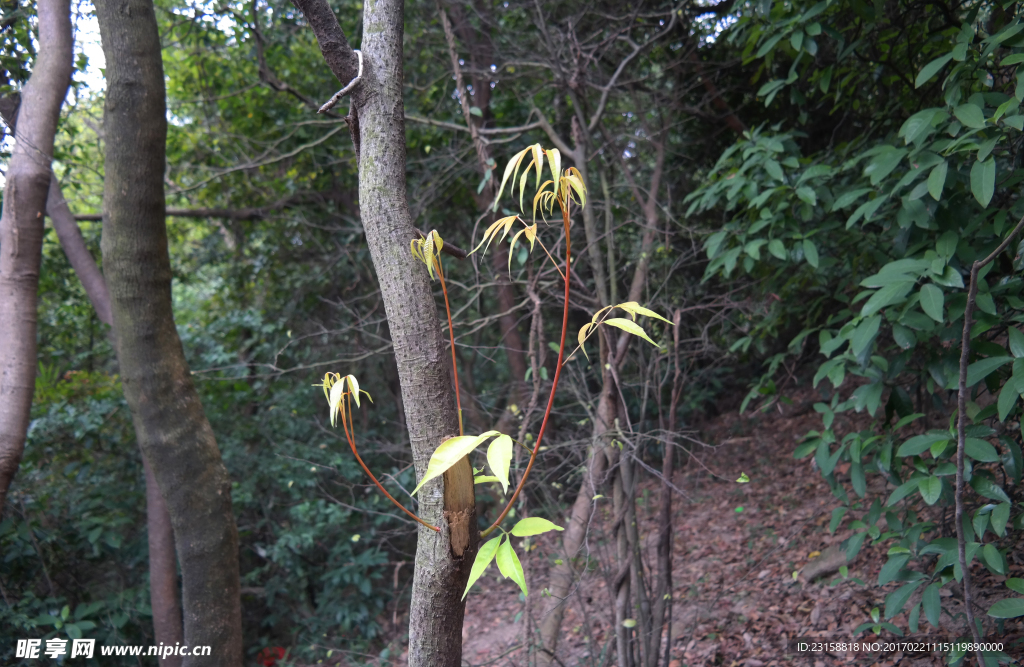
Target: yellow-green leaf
[
  {"x": 483, "y": 559},
  {"x": 743, "y": 478},
  {"x": 484, "y": 479},
  {"x": 450, "y": 452},
  {"x": 513, "y": 166},
  {"x": 337, "y": 392},
  {"x": 634, "y": 309},
  {"x": 499, "y": 456},
  {"x": 555, "y": 162},
  {"x": 630, "y": 327},
  {"x": 353, "y": 385},
  {"x": 584, "y": 330},
  {"x": 533, "y": 525},
  {"x": 509, "y": 565}
]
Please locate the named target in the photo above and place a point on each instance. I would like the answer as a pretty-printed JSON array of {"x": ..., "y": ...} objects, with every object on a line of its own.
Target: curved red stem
[
  {"x": 352, "y": 444},
  {"x": 451, "y": 335},
  {"x": 554, "y": 383}
]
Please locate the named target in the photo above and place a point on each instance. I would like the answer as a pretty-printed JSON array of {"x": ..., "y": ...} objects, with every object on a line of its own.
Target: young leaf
[
  {"x": 499, "y": 455},
  {"x": 510, "y": 170},
  {"x": 743, "y": 479},
  {"x": 483, "y": 559},
  {"x": 451, "y": 452},
  {"x": 484, "y": 479},
  {"x": 492, "y": 232},
  {"x": 634, "y": 309},
  {"x": 533, "y": 526},
  {"x": 630, "y": 327},
  {"x": 337, "y": 393},
  {"x": 509, "y": 565},
  {"x": 582, "y": 338}
]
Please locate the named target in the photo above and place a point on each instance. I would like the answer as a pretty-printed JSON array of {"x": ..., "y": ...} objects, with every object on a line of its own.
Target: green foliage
[{"x": 871, "y": 239}]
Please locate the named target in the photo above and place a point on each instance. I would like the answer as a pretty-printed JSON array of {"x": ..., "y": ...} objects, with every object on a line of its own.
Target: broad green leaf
[
  {"x": 895, "y": 601},
  {"x": 883, "y": 163},
  {"x": 848, "y": 198},
  {"x": 932, "y": 301},
  {"x": 918, "y": 125},
  {"x": 989, "y": 489},
  {"x": 1000, "y": 515},
  {"x": 864, "y": 334},
  {"x": 919, "y": 444},
  {"x": 811, "y": 253},
  {"x": 1008, "y": 608},
  {"x": 980, "y": 450},
  {"x": 1016, "y": 341},
  {"x": 806, "y": 194},
  {"x": 931, "y": 69},
  {"x": 886, "y": 296},
  {"x": 509, "y": 565},
  {"x": 450, "y": 452},
  {"x": 993, "y": 558},
  {"x": 970, "y": 115},
  {"x": 499, "y": 456},
  {"x": 1016, "y": 584},
  {"x": 892, "y": 567},
  {"x": 533, "y": 526},
  {"x": 932, "y": 604},
  {"x": 774, "y": 169},
  {"x": 983, "y": 181},
  {"x": 483, "y": 559},
  {"x": 946, "y": 245},
  {"x": 475, "y": 111},
  {"x": 777, "y": 248},
  {"x": 937, "y": 180},
  {"x": 930, "y": 488},
  {"x": 982, "y": 368},
  {"x": 1008, "y": 396},
  {"x": 630, "y": 327}
]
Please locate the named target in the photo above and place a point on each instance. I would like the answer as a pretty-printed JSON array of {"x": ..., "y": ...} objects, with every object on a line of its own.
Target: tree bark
[
  {"x": 444, "y": 558},
  {"x": 21, "y": 230},
  {"x": 175, "y": 437}
]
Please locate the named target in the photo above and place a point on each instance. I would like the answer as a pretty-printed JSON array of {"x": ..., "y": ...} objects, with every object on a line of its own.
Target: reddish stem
[
  {"x": 451, "y": 336},
  {"x": 352, "y": 444},
  {"x": 554, "y": 383}
]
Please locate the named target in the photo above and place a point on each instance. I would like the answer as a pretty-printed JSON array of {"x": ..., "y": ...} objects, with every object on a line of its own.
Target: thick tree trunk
[
  {"x": 163, "y": 576},
  {"x": 443, "y": 559},
  {"x": 175, "y": 437},
  {"x": 21, "y": 230}
]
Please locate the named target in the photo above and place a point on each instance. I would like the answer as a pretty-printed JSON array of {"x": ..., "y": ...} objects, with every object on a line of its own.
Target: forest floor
[{"x": 739, "y": 555}]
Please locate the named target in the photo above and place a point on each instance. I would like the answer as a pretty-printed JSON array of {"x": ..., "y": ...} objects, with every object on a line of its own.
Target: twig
[
  {"x": 347, "y": 89},
  {"x": 961, "y": 433}
]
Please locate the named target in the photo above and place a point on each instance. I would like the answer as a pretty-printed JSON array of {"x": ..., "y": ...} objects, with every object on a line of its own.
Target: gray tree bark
[
  {"x": 163, "y": 566},
  {"x": 173, "y": 432},
  {"x": 21, "y": 230},
  {"x": 377, "y": 119}
]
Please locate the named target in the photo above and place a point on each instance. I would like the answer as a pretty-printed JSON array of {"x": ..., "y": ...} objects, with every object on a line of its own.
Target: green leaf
[
  {"x": 499, "y": 456},
  {"x": 848, "y": 198},
  {"x": 931, "y": 69},
  {"x": 1000, "y": 515},
  {"x": 864, "y": 334},
  {"x": 921, "y": 443},
  {"x": 895, "y": 601},
  {"x": 1016, "y": 341},
  {"x": 993, "y": 558},
  {"x": 931, "y": 489},
  {"x": 806, "y": 195},
  {"x": 1008, "y": 608},
  {"x": 811, "y": 253},
  {"x": 774, "y": 169},
  {"x": 886, "y": 296},
  {"x": 509, "y": 565},
  {"x": 937, "y": 180},
  {"x": 450, "y": 452},
  {"x": 989, "y": 489},
  {"x": 483, "y": 559},
  {"x": 630, "y": 327},
  {"x": 1008, "y": 396},
  {"x": 982, "y": 368},
  {"x": 983, "y": 181},
  {"x": 475, "y": 111},
  {"x": 932, "y": 301},
  {"x": 533, "y": 526},
  {"x": 932, "y": 604},
  {"x": 918, "y": 125},
  {"x": 970, "y": 115},
  {"x": 485, "y": 479},
  {"x": 777, "y": 248},
  {"x": 892, "y": 568},
  {"x": 883, "y": 163},
  {"x": 980, "y": 450},
  {"x": 1016, "y": 585}
]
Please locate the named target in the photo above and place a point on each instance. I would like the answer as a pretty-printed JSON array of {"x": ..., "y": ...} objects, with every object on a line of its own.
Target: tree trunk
[
  {"x": 21, "y": 230},
  {"x": 443, "y": 559},
  {"x": 175, "y": 437},
  {"x": 163, "y": 574}
]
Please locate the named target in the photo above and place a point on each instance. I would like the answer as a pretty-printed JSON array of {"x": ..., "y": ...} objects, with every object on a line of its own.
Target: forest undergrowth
[{"x": 741, "y": 555}]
